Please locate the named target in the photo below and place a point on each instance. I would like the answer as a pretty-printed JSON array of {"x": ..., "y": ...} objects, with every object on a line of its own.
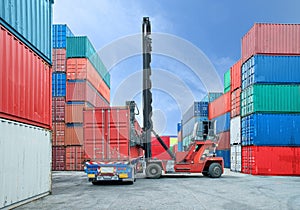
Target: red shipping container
[
  {"x": 58, "y": 134},
  {"x": 264, "y": 160},
  {"x": 58, "y": 158},
  {"x": 157, "y": 149},
  {"x": 59, "y": 60},
  {"x": 82, "y": 69},
  {"x": 264, "y": 38},
  {"x": 74, "y": 112},
  {"x": 74, "y": 158},
  {"x": 25, "y": 83},
  {"x": 58, "y": 109},
  {"x": 74, "y": 135},
  {"x": 219, "y": 106},
  {"x": 84, "y": 91},
  {"x": 235, "y": 103},
  {"x": 235, "y": 75},
  {"x": 107, "y": 134},
  {"x": 224, "y": 141}
]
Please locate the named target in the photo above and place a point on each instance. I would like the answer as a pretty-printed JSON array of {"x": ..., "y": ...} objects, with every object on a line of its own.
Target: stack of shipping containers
[
  {"x": 25, "y": 101},
  {"x": 179, "y": 137},
  {"x": 270, "y": 100},
  {"x": 88, "y": 85},
  {"x": 59, "y": 67}
]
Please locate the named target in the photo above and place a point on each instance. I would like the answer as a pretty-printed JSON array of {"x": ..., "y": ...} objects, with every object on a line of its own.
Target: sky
[{"x": 194, "y": 43}]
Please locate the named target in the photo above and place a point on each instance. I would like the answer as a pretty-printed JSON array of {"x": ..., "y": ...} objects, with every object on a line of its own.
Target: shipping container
[
  {"x": 198, "y": 109},
  {"x": 58, "y": 84},
  {"x": 25, "y": 83},
  {"x": 108, "y": 135},
  {"x": 178, "y": 127},
  {"x": 173, "y": 140},
  {"x": 211, "y": 96},
  {"x": 60, "y": 32},
  {"x": 271, "y": 130},
  {"x": 236, "y": 158},
  {"x": 30, "y": 21},
  {"x": 74, "y": 112},
  {"x": 278, "y": 161},
  {"x": 58, "y": 158},
  {"x": 222, "y": 123},
  {"x": 59, "y": 60},
  {"x": 235, "y": 130},
  {"x": 225, "y": 154},
  {"x": 58, "y": 134},
  {"x": 271, "y": 69},
  {"x": 81, "y": 47},
  {"x": 25, "y": 153},
  {"x": 264, "y": 38},
  {"x": 219, "y": 106},
  {"x": 74, "y": 158},
  {"x": 223, "y": 141},
  {"x": 78, "y": 90},
  {"x": 227, "y": 82},
  {"x": 235, "y": 103},
  {"x": 82, "y": 69},
  {"x": 270, "y": 99},
  {"x": 179, "y": 136},
  {"x": 235, "y": 75},
  {"x": 180, "y": 146},
  {"x": 58, "y": 109},
  {"x": 74, "y": 134}
]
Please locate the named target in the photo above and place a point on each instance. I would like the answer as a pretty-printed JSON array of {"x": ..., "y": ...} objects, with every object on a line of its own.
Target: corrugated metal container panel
[
  {"x": 84, "y": 91},
  {"x": 59, "y": 60},
  {"x": 273, "y": 39},
  {"x": 59, "y": 35},
  {"x": 225, "y": 154},
  {"x": 198, "y": 109},
  {"x": 81, "y": 47},
  {"x": 271, "y": 99},
  {"x": 271, "y": 130},
  {"x": 58, "y": 158},
  {"x": 219, "y": 106},
  {"x": 227, "y": 82},
  {"x": 30, "y": 21},
  {"x": 58, "y": 109},
  {"x": 278, "y": 161},
  {"x": 178, "y": 127},
  {"x": 235, "y": 130},
  {"x": 74, "y": 134},
  {"x": 224, "y": 141},
  {"x": 25, "y": 83},
  {"x": 271, "y": 69},
  {"x": 23, "y": 146},
  {"x": 210, "y": 97},
  {"x": 82, "y": 69},
  {"x": 236, "y": 158},
  {"x": 222, "y": 123},
  {"x": 58, "y": 84},
  {"x": 58, "y": 135},
  {"x": 107, "y": 134},
  {"x": 236, "y": 102},
  {"x": 74, "y": 112},
  {"x": 235, "y": 75},
  {"x": 74, "y": 158},
  {"x": 180, "y": 146}
]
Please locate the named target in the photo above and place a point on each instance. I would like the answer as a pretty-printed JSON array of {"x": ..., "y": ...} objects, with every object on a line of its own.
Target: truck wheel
[
  {"x": 153, "y": 171},
  {"x": 215, "y": 170}
]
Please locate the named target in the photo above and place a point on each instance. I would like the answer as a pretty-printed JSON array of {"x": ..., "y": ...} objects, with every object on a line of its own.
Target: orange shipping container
[
  {"x": 58, "y": 134},
  {"x": 224, "y": 141},
  {"x": 74, "y": 112},
  {"x": 59, "y": 60},
  {"x": 74, "y": 158},
  {"x": 235, "y": 75},
  {"x": 74, "y": 135},
  {"x": 236, "y": 103},
  {"x": 82, "y": 69},
  {"x": 219, "y": 106}
]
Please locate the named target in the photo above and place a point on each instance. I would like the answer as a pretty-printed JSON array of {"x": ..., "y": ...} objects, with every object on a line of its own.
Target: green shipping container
[
  {"x": 30, "y": 21},
  {"x": 227, "y": 82},
  {"x": 81, "y": 47},
  {"x": 270, "y": 99}
]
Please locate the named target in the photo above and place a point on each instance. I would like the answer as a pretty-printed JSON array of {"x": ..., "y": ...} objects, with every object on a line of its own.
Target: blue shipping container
[
  {"x": 225, "y": 154},
  {"x": 271, "y": 130},
  {"x": 222, "y": 123},
  {"x": 180, "y": 146},
  {"x": 198, "y": 109},
  {"x": 178, "y": 127},
  {"x": 58, "y": 84},
  {"x": 30, "y": 21},
  {"x": 271, "y": 69},
  {"x": 60, "y": 32}
]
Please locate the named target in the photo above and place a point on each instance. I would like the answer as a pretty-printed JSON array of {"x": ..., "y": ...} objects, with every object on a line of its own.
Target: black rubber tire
[
  {"x": 153, "y": 171},
  {"x": 205, "y": 173},
  {"x": 95, "y": 183},
  {"x": 215, "y": 170}
]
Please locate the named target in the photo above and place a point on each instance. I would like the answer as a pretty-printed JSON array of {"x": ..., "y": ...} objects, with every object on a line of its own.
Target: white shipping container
[
  {"x": 236, "y": 158},
  {"x": 235, "y": 130},
  {"x": 25, "y": 167}
]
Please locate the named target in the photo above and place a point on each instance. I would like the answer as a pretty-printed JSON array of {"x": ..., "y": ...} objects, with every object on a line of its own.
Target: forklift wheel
[
  {"x": 215, "y": 170},
  {"x": 153, "y": 171}
]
